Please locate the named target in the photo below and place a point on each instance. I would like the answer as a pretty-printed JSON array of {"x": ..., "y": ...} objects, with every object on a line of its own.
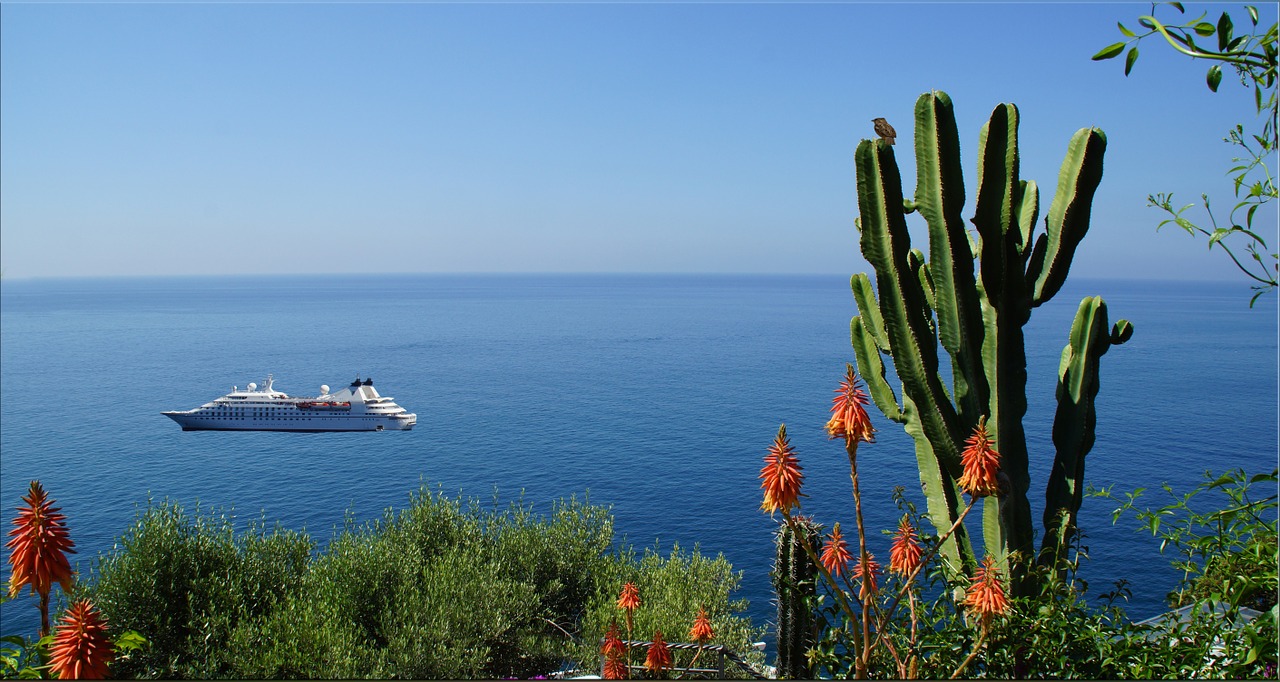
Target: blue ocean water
[{"x": 658, "y": 394}]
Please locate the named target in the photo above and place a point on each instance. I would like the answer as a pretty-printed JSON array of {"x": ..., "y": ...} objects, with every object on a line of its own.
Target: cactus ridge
[
  {"x": 976, "y": 313},
  {"x": 795, "y": 584}
]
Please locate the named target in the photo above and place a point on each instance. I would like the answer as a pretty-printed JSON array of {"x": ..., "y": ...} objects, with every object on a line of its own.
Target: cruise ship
[{"x": 357, "y": 407}]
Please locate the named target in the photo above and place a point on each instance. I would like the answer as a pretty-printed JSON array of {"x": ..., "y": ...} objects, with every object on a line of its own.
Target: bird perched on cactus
[{"x": 884, "y": 130}]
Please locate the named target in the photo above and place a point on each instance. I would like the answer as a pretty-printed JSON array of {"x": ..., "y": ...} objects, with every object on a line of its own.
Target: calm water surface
[{"x": 657, "y": 394}]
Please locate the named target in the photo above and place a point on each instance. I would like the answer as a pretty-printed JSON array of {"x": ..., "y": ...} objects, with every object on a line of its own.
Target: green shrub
[
  {"x": 445, "y": 588},
  {"x": 185, "y": 581},
  {"x": 671, "y": 589}
]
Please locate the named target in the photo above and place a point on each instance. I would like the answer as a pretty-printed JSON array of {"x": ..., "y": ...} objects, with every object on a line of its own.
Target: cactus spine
[
  {"x": 977, "y": 316},
  {"x": 795, "y": 585}
]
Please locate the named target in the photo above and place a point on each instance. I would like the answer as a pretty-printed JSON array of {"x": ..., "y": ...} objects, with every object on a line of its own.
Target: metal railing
[{"x": 722, "y": 654}]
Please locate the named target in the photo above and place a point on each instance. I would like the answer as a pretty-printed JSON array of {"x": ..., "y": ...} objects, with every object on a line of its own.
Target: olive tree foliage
[{"x": 1252, "y": 54}]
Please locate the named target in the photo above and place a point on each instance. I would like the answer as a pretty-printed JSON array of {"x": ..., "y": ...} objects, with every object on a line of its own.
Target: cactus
[
  {"x": 977, "y": 316},
  {"x": 795, "y": 585}
]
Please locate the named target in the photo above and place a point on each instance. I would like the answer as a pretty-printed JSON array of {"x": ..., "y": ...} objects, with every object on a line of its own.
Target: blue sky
[{"x": 162, "y": 139}]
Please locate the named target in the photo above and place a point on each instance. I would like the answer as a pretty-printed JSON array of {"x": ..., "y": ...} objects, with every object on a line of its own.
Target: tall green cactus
[
  {"x": 795, "y": 584},
  {"x": 977, "y": 316}
]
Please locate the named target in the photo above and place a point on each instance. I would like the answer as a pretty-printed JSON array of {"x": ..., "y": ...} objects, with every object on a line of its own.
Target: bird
[{"x": 884, "y": 130}]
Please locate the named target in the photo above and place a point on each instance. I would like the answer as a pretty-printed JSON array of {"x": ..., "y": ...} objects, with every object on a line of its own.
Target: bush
[
  {"x": 445, "y": 588},
  {"x": 187, "y": 581}
]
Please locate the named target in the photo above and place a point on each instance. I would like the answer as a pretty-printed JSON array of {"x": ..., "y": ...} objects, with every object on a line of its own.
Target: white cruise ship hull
[{"x": 196, "y": 422}]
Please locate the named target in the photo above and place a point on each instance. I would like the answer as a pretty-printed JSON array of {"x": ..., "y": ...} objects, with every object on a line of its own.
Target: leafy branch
[{"x": 1253, "y": 56}]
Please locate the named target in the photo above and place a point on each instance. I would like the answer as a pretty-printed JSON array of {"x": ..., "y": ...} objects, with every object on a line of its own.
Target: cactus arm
[
  {"x": 886, "y": 245},
  {"x": 940, "y": 200},
  {"x": 942, "y": 495},
  {"x": 869, "y": 310},
  {"x": 1068, "y": 217},
  {"x": 1003, "y": 215},
  {"x": 1028, "y": 210},
  {"x": 1076, "y": 417},
  {"x": 996, "y": 209},
  {"x": 871, "y": 369}
]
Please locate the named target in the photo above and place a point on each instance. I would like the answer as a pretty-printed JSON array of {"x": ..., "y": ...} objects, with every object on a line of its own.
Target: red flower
[
  {"x": 849, "y": 418},
  {"x": 80, "y": 648},
  {"x": 39, "y": 544},
  {"x": 659, "y": 657},
  {"x": 871, "y": 571},
  {"x": 781, "y": 475},
  {"x": 835, "y": 556},
  {"x": 904, "y": 555},
  {"x": 613, "y": 645},
  {"x": 981, "y": 463},
  {"x": 701, "y": 631},
  {"x": 630, "y": 597},
  {"x": 614, "y": 650},
  {"x": 985, "y": 598},
  {"x": 615, "y": 669}
]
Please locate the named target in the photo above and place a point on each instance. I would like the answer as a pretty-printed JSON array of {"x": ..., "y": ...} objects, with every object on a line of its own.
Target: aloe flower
[
  {"x": 80, "y": 648},
  {"x": 849, "y": 418},
  {"x": 981, "y": 464},
  {"x": 39, "y": 547},
  {"x": 870, "y": 571},
  {"x": 701, "y": 631},
  {"x": 985, "y": 598},
  {"x": 781, "y": 477},
  {"x": 835, "y": 556},
  {"x": 659, "y": 658},
  {"x": 905, "y": 554},
  {"x": 613, "y": 651}
]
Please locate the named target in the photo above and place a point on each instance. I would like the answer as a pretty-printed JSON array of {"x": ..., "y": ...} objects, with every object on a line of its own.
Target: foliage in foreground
[
  {"x": 1227, "y": 550},
  {"x": 445, "y": 588}
]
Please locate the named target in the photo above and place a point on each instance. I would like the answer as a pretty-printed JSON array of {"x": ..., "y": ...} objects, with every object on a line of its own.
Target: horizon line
[{"x": 527, "y": 273}]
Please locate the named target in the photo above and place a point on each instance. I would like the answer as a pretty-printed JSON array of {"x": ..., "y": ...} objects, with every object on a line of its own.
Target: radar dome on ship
[
  {"x": 253, "y": 386},
  {"x": 324, "y": 389}
]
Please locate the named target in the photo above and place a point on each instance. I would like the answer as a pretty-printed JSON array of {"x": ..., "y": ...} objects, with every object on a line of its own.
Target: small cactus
[{"x": 795, "y": 586}]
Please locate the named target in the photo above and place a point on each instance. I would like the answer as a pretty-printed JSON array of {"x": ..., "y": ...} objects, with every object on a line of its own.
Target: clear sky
[{"x": 160, "y": 139}]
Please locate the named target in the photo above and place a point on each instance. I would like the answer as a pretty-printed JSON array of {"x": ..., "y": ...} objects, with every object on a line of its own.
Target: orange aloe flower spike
[
  {"x": 905, "y": 554},
  {"x": 615, "y": 669},
  {"x": 981, "y": 463},
  {"x": 849, "y": 418},
  {"x": 613, "y": 645},
  {"x": 659, "y": 658},
  {"x": 986, "y": 598},
  {"x": 835, "y": 556},
  {"x": 781, "y": 477},
  {"x": 872, "y": 570},
  {"x": 81, "y": 649},
  {"x": 39, "y": 546},
  {"x": 630, "y": 597},
  {"x": 701, "y": 631}
]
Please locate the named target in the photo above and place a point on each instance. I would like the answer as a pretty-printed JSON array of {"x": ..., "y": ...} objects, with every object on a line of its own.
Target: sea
[{"x": 654, "y": 395}]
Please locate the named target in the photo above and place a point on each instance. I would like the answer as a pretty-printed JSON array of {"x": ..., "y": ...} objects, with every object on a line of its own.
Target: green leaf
[
  {"x": 1178, "y": 6},
  {"x": 1214, "y": 77},
  {"x": 1204, "y": 28},
  {"x": 1146, "y": 22},
  {"x": 1126, "y": 31},
  {"x": 1224, "y": 31},
  {"x": 1130, "y": 59},
  {"x": 1109, "y": 51},
  {"x": 1253, "y": 14}
]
